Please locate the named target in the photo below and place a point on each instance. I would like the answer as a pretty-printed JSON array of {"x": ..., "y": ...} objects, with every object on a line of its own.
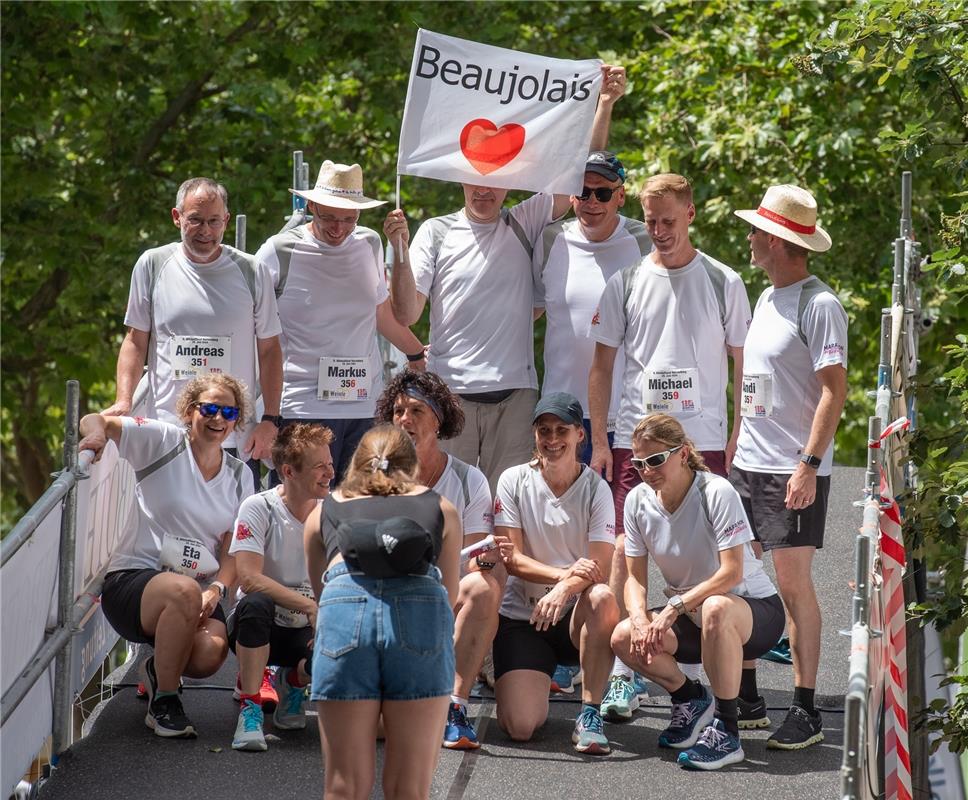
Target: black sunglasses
[
  {"x": 602, "y": 194},
  {"x": 229, "y": 413},
  {"x": 654, "y": 461},
  {"x": 754, "y": 230}
]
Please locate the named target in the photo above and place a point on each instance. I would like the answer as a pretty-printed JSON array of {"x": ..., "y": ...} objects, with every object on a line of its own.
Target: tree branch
[{"x": 43, "y": 300}]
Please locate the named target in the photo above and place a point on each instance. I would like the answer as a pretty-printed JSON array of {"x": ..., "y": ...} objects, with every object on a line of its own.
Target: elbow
[{"x": 248, "y": 582}]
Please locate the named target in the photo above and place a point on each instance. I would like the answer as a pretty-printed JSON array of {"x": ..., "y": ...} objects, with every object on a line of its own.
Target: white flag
[{"x": 489, "y": 116}]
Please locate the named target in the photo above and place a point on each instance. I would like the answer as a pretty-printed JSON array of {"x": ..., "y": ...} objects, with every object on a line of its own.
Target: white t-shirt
[
  {"x": 556, "y": 530},
  {"x": 478, "y": 279},
  {"x": 570, "y": 276},
  {"x": 672, "y": 330},
  {"x": 181, "y": 516},
  {"x": 202, "y": 318},
  {"x": 780, "y": 372},
  {"x": 328, "y": 311},
  {"x": 470, "y": 495},
  {"x": 686, "y": 544}
]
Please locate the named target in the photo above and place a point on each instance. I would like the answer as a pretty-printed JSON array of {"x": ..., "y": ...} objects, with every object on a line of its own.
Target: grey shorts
[{"x": 774, "y": 525}]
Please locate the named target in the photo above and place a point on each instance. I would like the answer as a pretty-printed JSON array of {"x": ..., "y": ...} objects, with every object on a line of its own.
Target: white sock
[
  {"x": 622, "y": 669},
  {"x": 461, "y": 701}
]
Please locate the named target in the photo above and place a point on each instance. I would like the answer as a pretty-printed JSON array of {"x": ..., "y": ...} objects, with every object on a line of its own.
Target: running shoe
[
  {"x": 780, "y": 652},
  {"x": 166, "y": 718},
  {"x": 149, "y": 678},
  {"x": 589, "y": 734},
  {"x": 566, "y": 678},
  {"x": 248, "y": 731},
  {"x": 620, "y": 699},
  {"x": 752, "y": 714},
  {"x": 290, "y": 713},
  {"x": 641, "y": 686},
  {"x": 688, "y": 721},
  {"x": 459, "y": 734},
  {"x": 716, "y": 748},
  {"x": 800, "y": 729},
  {"x": 267, "y": 692}
]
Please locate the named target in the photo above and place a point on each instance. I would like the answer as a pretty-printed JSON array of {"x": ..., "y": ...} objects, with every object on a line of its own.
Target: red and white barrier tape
[{"x": 900, "y": 424}]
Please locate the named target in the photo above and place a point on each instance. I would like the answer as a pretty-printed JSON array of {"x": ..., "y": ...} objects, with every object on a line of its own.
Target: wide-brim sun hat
[
  {"x": 790, "y": 213},
  {"x": 339, "y": 186}
]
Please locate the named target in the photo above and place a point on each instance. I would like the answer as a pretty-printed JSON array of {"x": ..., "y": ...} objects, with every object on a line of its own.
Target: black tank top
[{"x": 424, "y": 509}]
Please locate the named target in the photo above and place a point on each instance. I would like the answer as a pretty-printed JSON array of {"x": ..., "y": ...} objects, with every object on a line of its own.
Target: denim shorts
[{"x": 383, "y": 638}]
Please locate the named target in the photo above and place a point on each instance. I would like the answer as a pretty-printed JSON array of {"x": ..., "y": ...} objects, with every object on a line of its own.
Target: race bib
[
  {"x": 187, "y": 556},
  {"x": 672, "y": 391},
  {"x": 192, "y": 356},
  {"x": 757, "y": 400},
  {"x": 344, "y": 379},
  {"x": 533, "y": 592},
  {"x": 286, "y": 617}
]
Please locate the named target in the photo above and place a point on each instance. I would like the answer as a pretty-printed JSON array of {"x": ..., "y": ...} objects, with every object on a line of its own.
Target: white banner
[{"x": 489, "y": 116}]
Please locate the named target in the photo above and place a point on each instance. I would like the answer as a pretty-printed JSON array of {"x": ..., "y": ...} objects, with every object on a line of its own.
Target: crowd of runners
[{"x": 343, "y": 581}]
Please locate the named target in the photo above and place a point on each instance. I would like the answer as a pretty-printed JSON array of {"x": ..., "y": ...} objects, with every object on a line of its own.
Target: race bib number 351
[
  {"x": 192, "y": 356},
  {"x": 344, "y": 379},
  {"x": 757, "y": 399},
  {"x": 673, "y": 391}
]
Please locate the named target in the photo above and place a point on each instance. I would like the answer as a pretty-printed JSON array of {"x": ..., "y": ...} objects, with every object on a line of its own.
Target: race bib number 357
[
  {"x": 757, "y": 399},
  {"x": 192, "y": 356},
  {"x": 673, "y": 391},
  {"x": 344, "y": 379}
]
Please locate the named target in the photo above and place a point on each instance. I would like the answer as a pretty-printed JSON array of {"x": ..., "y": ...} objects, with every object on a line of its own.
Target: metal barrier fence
[{"x": 876, "y": 755}]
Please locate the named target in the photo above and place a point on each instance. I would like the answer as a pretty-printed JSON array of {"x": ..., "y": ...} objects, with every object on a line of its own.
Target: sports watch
[
  {"x": 811, "y": 460},
  {"x": 676, "y": 602},
  {"x": 275, "y": 420}
]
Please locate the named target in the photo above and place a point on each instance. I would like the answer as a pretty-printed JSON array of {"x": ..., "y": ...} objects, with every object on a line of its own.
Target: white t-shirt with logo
[
  {"x": 202, "y": 318},
  {"x": 780, "y": 371},
  {"x": 672, "y": 331},
  {"x": 570, "y": 276},
  {"x": 685, "y": 544},
  {"x": 328, "y": 311},
  {"x": 478, "y": 279},
  {"x": 556, "y": 530},
  {"x": 470, "y": 495},
  {"x": 181, "y": 516}
]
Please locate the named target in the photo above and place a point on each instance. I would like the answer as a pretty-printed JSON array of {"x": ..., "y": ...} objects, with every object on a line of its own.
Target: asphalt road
[{"x": 122, "y": 759}]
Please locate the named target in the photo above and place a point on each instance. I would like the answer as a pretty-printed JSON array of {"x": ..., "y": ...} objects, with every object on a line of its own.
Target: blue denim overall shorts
[{"x": 383, "y": 638}]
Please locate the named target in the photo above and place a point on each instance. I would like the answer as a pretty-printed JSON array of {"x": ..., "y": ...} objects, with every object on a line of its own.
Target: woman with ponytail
[{"x": 384, "y": 636}]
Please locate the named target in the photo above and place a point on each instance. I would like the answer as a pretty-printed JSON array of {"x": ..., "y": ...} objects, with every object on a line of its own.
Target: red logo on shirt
[
  {"x": 140, "y": 421},
  {"x": 597, "y": 319},
  {"x": 498, "y": 508},
  {"x": 243, "y": 532}
]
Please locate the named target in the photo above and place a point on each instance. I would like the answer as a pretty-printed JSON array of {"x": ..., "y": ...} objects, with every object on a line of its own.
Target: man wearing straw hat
[
  {"x": 794, "y": 387},
  {"x": 333, "y": 299}
]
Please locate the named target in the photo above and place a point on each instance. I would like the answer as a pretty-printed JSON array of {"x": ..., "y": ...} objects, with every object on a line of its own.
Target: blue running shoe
[
  {"x": 688, "y": 721},
  {"x": 780, "y": 652},
  {"x": 620, "y": 699},
  {"x": 566, "y": 678},
  {"x": 290, "y": 713},
  {"x": 589, "y": 735},
  {"x": 459, "y": 734},
  {"x": 641, "y": 686},
  {"x": 716, "y": 748},
  {"x": 248, "y": 731}
]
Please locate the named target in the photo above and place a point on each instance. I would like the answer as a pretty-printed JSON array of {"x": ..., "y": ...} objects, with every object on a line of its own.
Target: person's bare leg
[
  {"x": 618, "y": 575},
  {"x": 475, "y": 625},
  {"x": 210, "y": 646},
  {"x": 522, "y": 702},
  {"x": 170, "y": 606},
  {"x": 795, "y": 582},
  {"x": 592, "y": 623},
  {"x": 661, "y": 668},
  {"x": 413, "y": 730},
  {"x": 252, "y": 665},
  {"x": 727, "y": 622},
  {"x": 347, "y": 733}
]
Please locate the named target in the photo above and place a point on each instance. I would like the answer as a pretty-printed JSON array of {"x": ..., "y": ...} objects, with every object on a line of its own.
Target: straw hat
[
  {"x": 791, "y": 213},
  {"x": 339, "y": 186}
]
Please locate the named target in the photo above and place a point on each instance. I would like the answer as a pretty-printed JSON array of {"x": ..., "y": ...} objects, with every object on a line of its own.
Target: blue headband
[{"x": 416, "y": 394}]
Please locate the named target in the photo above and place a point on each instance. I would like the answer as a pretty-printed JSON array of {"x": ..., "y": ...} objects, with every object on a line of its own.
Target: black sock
[
  {"x": 803, "y": 697},
  {"x": 728, "y": 712},
  {"x": 747, "y": 685},
  {"x": 690, "y": 690}
]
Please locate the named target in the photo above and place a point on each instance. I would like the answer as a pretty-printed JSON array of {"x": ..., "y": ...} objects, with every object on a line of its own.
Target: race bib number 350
[
  {"x": 187, "y": 556},
  {"x": 757, "y": 400},
  {"x": 673, "y": 391},
  {"x": 192, "y": 356},
  {"x": 344, "y": 379}
]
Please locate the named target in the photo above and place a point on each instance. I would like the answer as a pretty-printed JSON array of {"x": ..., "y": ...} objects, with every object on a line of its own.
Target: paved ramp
[{"x": 123, "y": 759}]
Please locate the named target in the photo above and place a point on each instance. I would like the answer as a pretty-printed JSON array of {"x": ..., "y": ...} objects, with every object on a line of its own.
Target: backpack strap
[
  {"x": 167, "y": 458},
  {"x": 518, "y": 231},
  {"x": 813, "y": 287}
]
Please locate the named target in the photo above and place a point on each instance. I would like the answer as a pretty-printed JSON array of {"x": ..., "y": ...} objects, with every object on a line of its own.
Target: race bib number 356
[
  {"x": 673, "y": 391},
  {"x": 192, "y": 356},
  {"x": 344, "y": 379}
]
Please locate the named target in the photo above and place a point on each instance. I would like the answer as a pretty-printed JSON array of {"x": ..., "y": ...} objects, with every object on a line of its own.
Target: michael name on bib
[{"x": 664, "y": 384}]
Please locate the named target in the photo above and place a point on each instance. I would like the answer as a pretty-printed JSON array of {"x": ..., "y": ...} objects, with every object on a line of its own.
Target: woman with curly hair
[
  {"x": 421, "y": 404},
  {"x": 169, "y": 571}
]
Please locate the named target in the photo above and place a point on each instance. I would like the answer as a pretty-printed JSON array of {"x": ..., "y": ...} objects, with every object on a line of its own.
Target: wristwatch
[
  {"x": 811, "y": 460},
  {"x": 416, "y": 356},
  {"x": 221, "y": 588},
  {"x": 676, "y": 602},
  {"x": 277, "y": 421},
  {"x": 484, "y": 564}
]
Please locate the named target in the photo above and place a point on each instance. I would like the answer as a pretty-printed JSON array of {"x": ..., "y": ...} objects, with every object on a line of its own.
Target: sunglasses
[
  {"x": 654, "y": 461},
  {"x": 602, "y": 194},
  {"x": 754, "y": 230},
  {"x": 229, "y": 413}
]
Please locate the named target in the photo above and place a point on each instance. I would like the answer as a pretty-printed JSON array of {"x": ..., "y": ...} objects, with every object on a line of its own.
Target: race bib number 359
[
  {"x": 673, "y": 391},
  {"x": 344, "y": 379},
  {"x": 192, "y": 356}
]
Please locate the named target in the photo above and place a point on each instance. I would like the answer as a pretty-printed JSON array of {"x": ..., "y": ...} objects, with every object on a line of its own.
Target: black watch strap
[
  {"x": 277, "y": 421},
  {"x": 416, "y": 356},
  {"x": 811, "y": 460}
]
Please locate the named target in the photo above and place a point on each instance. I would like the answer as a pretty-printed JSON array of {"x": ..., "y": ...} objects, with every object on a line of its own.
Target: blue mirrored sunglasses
[{"x": 229, "y": 413}]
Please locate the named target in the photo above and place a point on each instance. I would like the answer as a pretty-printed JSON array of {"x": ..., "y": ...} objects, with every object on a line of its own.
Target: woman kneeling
[{"x": 722, "y": 607}]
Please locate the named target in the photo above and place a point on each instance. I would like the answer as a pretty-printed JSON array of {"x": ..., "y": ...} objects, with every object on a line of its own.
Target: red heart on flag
[{"x": 488, "y": 147}]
